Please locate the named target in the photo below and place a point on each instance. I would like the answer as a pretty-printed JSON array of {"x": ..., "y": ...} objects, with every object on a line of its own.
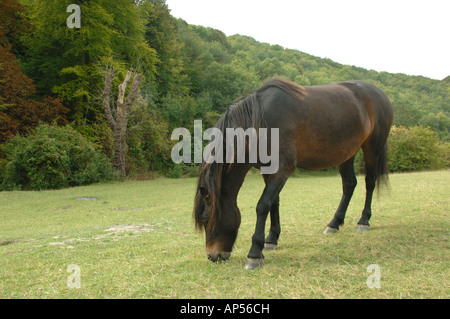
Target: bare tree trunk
[{"x": 123, "y": 109}]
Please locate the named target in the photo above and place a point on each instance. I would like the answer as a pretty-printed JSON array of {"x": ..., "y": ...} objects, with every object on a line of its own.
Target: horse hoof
[
  {"x": 330, "y": 230},
  {"x": 362, "y": 228},
  {"x": 253, "y": 263},
  {"x": 268, "y": 246}
]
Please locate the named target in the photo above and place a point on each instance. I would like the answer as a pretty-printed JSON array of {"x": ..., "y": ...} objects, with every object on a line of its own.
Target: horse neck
[{"x": 233, "y": 179}]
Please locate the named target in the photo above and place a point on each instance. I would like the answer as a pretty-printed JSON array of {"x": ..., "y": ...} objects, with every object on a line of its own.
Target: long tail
[{"x": 382, "y": 169}]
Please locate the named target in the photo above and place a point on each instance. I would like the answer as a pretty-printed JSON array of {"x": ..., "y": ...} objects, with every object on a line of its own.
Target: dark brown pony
[{"x": 319, "y": 127}]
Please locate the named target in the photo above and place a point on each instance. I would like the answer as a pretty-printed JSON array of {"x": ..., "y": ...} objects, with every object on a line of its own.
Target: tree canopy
[{"x": 20, "y": 107}]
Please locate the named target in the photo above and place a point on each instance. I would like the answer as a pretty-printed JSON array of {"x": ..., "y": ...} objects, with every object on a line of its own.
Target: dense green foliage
[
  {"x": 52, "y": 158},
  {"x": 67, "y": 62},
  {"x": 190, "y": 72},
  {"x": 416, "y": 148},
  {"x": 413, "y": 149}
]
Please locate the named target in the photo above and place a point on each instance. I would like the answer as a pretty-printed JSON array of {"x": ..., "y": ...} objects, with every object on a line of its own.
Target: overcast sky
[{"x": 397, "y": 36}]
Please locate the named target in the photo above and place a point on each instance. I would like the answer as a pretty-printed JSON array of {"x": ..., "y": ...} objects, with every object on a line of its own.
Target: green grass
[{"x": 137, "y": 241}]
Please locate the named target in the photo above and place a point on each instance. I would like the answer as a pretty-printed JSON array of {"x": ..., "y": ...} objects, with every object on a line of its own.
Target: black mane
[{"x": 245, "y": 113}]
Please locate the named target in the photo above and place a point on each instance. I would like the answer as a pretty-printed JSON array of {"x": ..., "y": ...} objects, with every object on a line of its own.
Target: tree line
[{"x": 53, "y": 74}]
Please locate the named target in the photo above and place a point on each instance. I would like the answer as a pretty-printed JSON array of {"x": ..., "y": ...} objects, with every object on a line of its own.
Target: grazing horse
[{"x": 319, "y": 127}]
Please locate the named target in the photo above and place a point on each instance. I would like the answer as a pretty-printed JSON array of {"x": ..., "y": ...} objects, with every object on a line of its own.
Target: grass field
[{"x": 136, "y": 240}]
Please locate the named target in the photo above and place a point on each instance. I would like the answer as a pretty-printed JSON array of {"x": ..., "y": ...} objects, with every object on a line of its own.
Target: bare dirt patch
[
  {"x": 86, "y": 198},
  {"x": 132, "y": 228},
  {"x": 114, "y": 233}
]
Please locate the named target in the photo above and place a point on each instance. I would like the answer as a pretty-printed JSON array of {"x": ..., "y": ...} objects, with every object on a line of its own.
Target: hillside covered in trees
[{"x": 50, "y": 73}]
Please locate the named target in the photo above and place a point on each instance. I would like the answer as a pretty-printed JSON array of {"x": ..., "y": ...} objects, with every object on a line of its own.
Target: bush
[
  {"x": 416, "y": 148},
  {"x": 182, "y": 170},
  {"x": 52, "y": 158}
]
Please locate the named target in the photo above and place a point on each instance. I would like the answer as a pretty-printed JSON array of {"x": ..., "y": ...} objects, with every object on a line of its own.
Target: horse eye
[{"x": 203, "y": 191}]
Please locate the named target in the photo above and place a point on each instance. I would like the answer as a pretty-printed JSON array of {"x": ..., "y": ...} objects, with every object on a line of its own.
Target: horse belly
[{"x": 322, "y": 148}]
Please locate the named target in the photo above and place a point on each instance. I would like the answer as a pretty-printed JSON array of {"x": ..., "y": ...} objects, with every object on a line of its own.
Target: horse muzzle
[
  {"x": 215, "y": 253},
  {"x": 216, "y": 256}
]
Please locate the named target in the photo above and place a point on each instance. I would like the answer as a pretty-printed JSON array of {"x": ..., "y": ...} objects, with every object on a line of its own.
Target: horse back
[{"x": 328, "y": 125}]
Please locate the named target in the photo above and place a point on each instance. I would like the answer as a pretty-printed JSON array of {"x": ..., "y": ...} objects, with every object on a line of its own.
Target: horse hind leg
[
  {"x": 348, "y": 186},
  {"x": 376, "y": 168},
  {"x": 363, "y": 223}
]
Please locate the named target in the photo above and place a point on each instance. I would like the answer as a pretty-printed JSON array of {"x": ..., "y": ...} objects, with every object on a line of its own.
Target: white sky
[{"x": 397, "y": 36}]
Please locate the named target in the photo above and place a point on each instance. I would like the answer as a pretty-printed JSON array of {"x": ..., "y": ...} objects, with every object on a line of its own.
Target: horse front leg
[
  {"x": 271, "y": 241},
  {"x": 269, "y": 197}
]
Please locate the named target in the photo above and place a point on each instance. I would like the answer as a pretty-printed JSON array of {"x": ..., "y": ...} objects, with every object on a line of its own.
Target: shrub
[
  {"x": 182, "y": 170},
  {"x": 52, "y": 158},
  {"x": 416, "y": 148}
]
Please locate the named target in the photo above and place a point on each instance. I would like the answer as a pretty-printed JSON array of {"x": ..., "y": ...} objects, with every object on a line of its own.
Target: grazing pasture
[{"x": 137, "y": 240}]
